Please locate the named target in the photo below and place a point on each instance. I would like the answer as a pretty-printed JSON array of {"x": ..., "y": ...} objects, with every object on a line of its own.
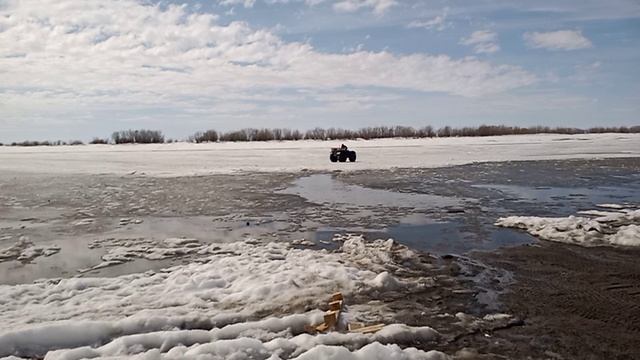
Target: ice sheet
[{"x": 179, "y": 159}]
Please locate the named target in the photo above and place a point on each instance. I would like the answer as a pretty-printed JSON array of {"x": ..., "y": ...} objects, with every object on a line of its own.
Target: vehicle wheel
[
  {"x": 352, "y": 156},
  {"x": 333, "y": 158},
  {"x": 343, "y": 157}
]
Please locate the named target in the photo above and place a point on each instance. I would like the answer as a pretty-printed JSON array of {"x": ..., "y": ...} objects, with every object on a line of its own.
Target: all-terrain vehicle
[{"x": 342, "y": 154}]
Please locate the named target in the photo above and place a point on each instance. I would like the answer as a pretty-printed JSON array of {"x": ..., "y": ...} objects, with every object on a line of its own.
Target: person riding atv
[{"x": 341, "y": 154}]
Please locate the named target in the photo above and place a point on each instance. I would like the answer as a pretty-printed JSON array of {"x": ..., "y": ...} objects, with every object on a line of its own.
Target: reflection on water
[
  {"x": 73, "y": 255},
  {"x": 436, "y": 237},
  {"x": 324, "y": 189},
  {"x": 552, "y": 194}
]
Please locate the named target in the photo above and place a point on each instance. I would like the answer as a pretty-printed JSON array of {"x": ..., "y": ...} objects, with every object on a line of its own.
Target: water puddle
[
  {"x": 73, "y": 255},
  {"x": 325, "y": 189},
  {"x": 567, "y": 199},
  {"x": 76, "y": 254},
  {"x": 204, "y": 228},
  {"x": 436, "y": 237}
]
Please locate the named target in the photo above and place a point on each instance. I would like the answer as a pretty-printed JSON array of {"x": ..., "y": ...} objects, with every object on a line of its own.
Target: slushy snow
[
  {"x": 620, "y": 227},
  {"x": 25, "y": 251},
  {"x": 247, "y": 300},
  {"x": 123, "y": 250}
]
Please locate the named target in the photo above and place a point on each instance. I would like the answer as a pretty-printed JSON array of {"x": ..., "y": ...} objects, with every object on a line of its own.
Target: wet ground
[
  {"x": 446, "y": 212},
  {"x": 576, "y": 303}
]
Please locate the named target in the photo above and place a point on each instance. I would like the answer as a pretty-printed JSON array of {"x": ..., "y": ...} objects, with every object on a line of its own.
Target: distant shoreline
[{"x": 145, "y": 136}]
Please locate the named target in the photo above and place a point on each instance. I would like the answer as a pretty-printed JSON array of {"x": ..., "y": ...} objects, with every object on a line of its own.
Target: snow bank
[
  {"x": 373, "y": 351},
  {"x": 251, "y": 349},
  {"x": 263, "y": 343},
  {"x": 182, "y": 159},
  {"x": 213, "y": 309},
  {"x": 621, "y": 227}
]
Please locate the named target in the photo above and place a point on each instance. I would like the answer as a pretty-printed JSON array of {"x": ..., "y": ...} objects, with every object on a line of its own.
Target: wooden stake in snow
[{"x": 332, "y": 317}]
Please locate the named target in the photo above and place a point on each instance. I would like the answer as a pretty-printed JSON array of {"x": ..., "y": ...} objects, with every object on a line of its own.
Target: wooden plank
[
  {"x": 310, "y": 329},
  {"x": 335, "y": 305},
  {"x": 331, "y": 317}
]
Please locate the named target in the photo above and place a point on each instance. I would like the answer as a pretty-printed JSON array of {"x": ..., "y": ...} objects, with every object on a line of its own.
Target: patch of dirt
[{"x": 576, "y": 302}]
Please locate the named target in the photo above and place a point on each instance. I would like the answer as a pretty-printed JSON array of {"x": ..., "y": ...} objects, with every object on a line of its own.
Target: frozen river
[{"x": 182, "y": 159}]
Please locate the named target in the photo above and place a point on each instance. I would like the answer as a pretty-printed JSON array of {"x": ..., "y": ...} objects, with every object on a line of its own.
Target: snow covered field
[{"x": 189, "y": 159}]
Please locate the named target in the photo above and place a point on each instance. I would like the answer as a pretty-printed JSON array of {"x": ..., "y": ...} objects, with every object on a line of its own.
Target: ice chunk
[
  {"x": 627, "y": 235},
  {"x": 610, "y": 206},
  {"x": 386, "y": 281},
  {"x": 608, "y": 228},
  {"x": 25, "y": 251}
]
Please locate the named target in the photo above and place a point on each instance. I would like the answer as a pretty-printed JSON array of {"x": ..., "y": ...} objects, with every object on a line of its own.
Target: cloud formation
[
  {"x": 245, "y": 3},
  {"x": 61, "y": 52},
  {"x": 483, "y": 42},
  {"x": 379, "y": 6},
  {"x": 438, "y": 23},
  {"x": 557, "y": 40}
]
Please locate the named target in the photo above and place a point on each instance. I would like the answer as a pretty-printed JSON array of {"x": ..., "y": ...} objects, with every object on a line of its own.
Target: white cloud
[
  {"x": 480, "y": 36},
  {"x": 245, "y": 3},
  {"x": 379, "y": 6},
  {"x": 557, "y": 40},
  {"x": 438, "y": 23},
  {"x": 486, "y": 48},
  {"x": 483, "y": 42},
  {"x": 94, "y": 54},
  {"x": 308, "y": 2}
]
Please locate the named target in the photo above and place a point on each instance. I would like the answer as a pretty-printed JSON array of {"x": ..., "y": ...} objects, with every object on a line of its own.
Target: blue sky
[{"x": 82, "y": 68}]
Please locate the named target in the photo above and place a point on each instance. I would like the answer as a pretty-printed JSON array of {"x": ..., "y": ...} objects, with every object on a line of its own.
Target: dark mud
[{"x": 576, "y": 302}]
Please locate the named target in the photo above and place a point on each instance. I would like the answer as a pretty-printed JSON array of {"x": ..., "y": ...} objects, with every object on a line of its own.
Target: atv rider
[{"x": 343, "y": 147}]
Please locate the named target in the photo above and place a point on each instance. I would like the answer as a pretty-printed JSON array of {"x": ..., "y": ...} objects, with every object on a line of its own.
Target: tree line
[
  {"x": 381, "y": 132},
  {"x": 145, "y": 136}
]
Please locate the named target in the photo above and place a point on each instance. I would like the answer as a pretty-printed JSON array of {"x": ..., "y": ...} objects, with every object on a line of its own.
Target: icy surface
[
  {"x": 25, "y": 251},
  {"x": 181, "y": 159},
  {"x": 247, "y": 300},
  {"x": 621, "y": 227},
  {"x": 123, "y": 250},
  {"x": 323, "y": 188},
  {"x": 611, "y": 206}
]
